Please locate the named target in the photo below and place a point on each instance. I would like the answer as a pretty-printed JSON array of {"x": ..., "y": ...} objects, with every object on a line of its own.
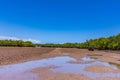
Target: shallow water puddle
[
  {"x": 80, "y": 69},
  {"x": 19, "y": 71}
]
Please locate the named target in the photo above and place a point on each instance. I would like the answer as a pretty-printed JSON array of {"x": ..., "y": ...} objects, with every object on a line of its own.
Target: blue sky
[{"x": 59, "y": 21}]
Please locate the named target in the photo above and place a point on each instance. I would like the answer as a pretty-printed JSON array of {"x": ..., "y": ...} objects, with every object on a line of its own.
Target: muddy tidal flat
[{"x": 58, "y": 64}]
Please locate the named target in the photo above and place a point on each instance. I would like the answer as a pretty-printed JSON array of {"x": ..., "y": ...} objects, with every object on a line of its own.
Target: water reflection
[
  {"x": 87, "y": 59},
  {"x": 80, "y": 68},
  {"x": 64, "y": 67}
]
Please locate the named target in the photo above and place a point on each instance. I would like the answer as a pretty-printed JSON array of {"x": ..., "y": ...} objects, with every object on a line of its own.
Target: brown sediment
[
  {"x": 13, "y": 55},
  {"x": 45, "y": 74},
  {"x": 100, "y": 69},
  {"x": 109, "y": 78}
]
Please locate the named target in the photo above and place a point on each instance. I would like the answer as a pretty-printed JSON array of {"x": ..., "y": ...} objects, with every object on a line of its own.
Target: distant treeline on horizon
[
  {"x": 112, "y": 43},
  {"x": 16, "y": 43}
]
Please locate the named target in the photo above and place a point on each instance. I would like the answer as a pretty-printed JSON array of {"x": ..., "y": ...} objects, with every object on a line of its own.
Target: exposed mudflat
[{"x": 58, "y": 64}]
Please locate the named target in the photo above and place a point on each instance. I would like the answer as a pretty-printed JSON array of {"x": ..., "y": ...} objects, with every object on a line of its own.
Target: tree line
[
  {"x": 16, "y": 43},
  {"x": 112, "y": 43}
]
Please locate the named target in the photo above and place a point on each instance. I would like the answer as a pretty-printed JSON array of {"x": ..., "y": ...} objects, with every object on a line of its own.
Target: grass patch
[{"x": 117, "y": 65}]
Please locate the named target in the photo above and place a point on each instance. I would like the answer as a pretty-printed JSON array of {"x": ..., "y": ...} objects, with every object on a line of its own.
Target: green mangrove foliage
[
  {"x": 112, "y": 42},
  {"x": 16, "y": 43}
]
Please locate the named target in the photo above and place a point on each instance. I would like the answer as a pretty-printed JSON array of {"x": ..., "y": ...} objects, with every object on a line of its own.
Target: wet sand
[
  {"x": 11, "y": 56},
  {"x": 49, "y": 75},
  {"x": 99, "y": 69},
  {"x": 46, "y": 74}
]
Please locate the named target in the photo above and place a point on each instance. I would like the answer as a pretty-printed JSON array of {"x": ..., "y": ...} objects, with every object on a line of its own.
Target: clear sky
[{"x": 59, "y": 21}]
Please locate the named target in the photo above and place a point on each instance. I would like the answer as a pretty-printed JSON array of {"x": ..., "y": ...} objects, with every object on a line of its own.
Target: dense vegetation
[
  {"x": 16, "y": 43},
  {"x": 112, "y": 42}
]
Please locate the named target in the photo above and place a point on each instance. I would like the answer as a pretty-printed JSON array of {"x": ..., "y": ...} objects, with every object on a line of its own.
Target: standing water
[{"x": 21, "y": 71}]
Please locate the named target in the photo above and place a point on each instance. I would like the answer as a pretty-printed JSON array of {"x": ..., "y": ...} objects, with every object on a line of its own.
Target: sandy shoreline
[{"x": 12, "y": 55}]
